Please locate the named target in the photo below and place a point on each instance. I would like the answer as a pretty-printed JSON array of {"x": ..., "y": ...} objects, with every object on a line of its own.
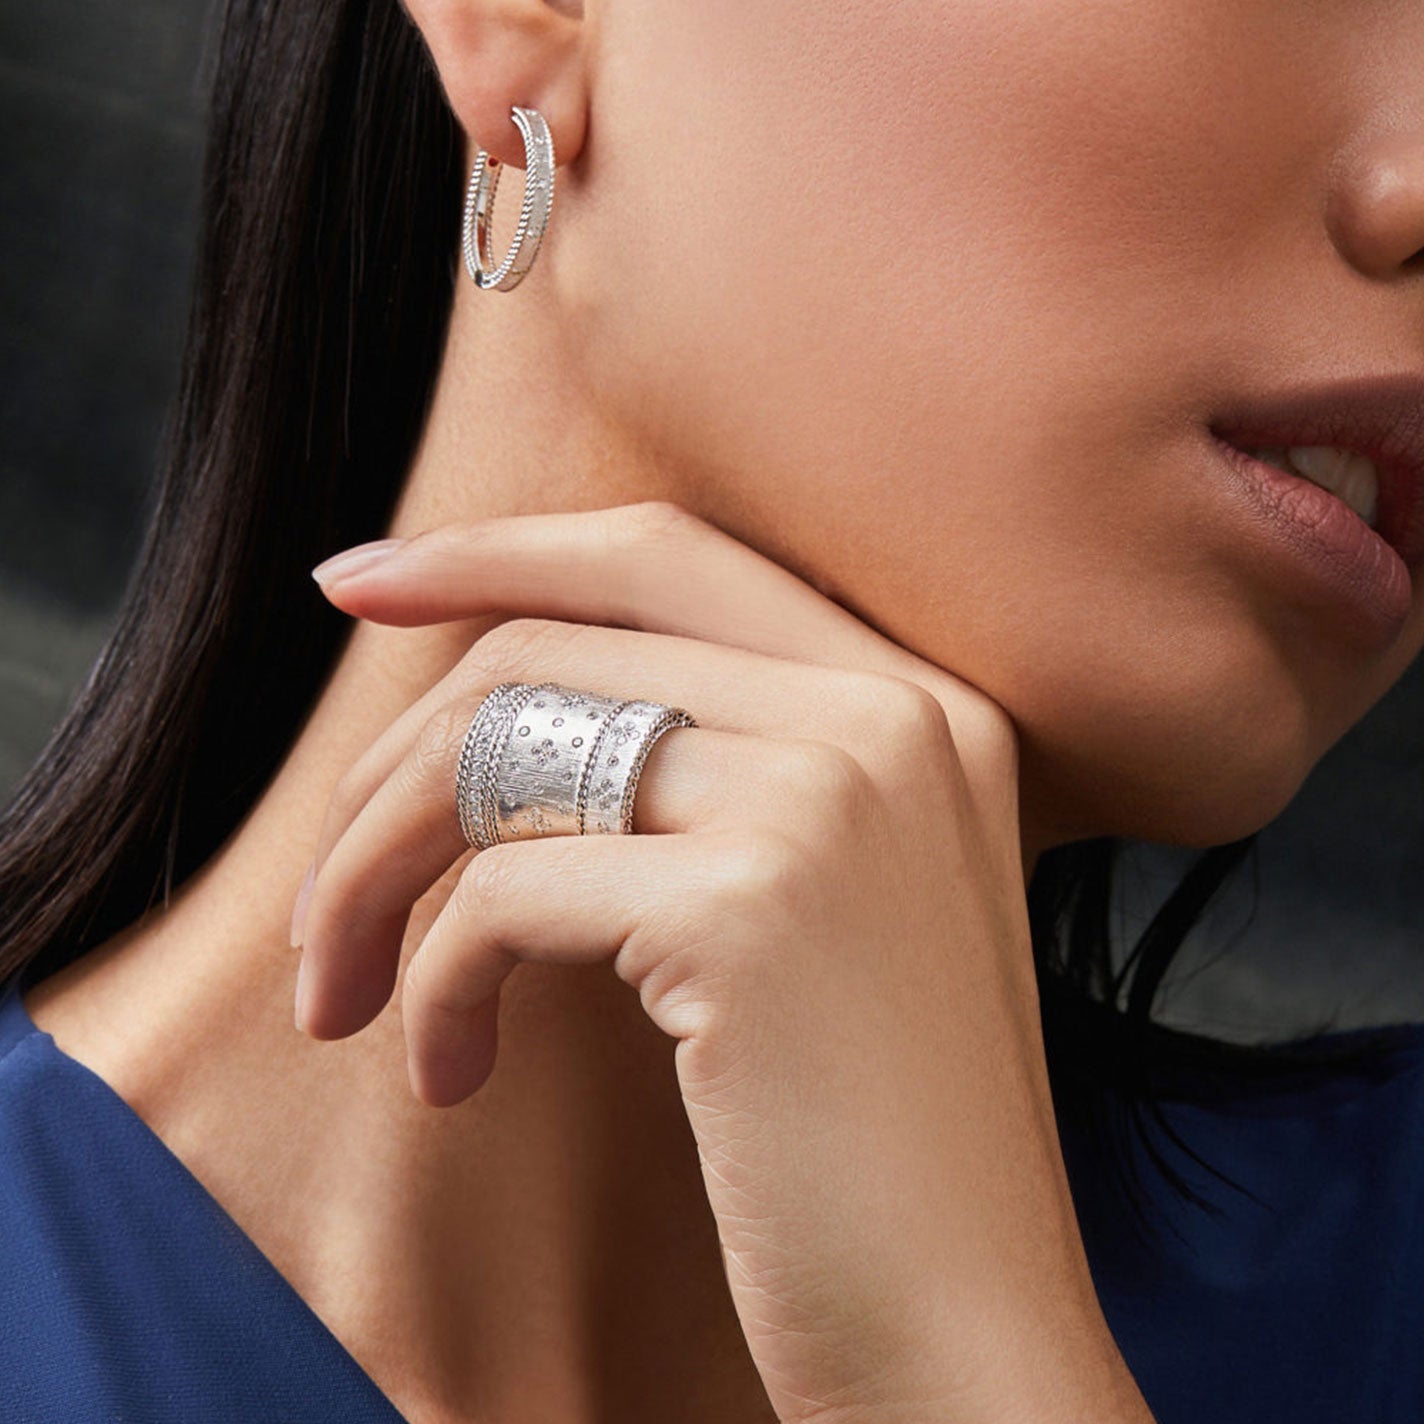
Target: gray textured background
[{"x": 100, "y": 113}]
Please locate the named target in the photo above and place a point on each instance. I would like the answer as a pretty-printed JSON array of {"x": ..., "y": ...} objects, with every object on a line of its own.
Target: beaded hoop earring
[{"x": 533, "y": 216}]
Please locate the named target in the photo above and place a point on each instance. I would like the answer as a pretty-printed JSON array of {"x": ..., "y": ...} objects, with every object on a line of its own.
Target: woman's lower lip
[{"x": 1337, "y": 551}]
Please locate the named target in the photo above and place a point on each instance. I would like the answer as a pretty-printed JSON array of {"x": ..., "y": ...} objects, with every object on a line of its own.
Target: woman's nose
[{"x": 1377, "y": 202}]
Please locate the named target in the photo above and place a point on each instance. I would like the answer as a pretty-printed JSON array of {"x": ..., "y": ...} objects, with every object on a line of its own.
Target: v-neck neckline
[{"x": 16, "y": 1026}]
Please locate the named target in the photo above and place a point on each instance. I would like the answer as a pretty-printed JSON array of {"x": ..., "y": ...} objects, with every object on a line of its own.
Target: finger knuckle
[
  {"x": 438, "y": 742},
  {"x": 658, "y": 519},
  {"x": 439, "y": 1000},
  {"x": 518, "y": 647},
  {"x": 905, "y": 726},
  {"x": 991, "y": 731},
  {"x": 413, "y": 983},
  {"x": 483, "y": 884},
  {"x": 440, "y": 537},
  {"x": 912, "y": 713},
  {"x": 350, "y": 793},
  {"x": 831, "y": 777},
  {"x": 334, "y": 911},
  {"x": 751, "y": 868}
]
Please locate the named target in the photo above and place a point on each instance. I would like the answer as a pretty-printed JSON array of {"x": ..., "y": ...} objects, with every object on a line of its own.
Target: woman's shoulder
[{"x": 126, "y": 1290}]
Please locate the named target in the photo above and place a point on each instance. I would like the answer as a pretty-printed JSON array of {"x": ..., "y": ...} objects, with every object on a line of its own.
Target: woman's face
[{"x": 934, "y": 300}]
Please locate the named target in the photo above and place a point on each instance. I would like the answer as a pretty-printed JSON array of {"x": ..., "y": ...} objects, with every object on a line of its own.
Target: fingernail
[
  {"x": 299, "y": 906},
  {"x": 299, "y": 1013},
  {"x": 355, "y": 559}
]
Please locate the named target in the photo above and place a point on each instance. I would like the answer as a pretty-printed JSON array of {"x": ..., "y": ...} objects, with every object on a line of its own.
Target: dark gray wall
[
  {"x": 100, "y": 134},
  {"x": 100, "y": 117}
]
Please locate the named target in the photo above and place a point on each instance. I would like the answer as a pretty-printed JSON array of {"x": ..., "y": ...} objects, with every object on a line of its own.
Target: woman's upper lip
[{"x": 1379, "y": 417}]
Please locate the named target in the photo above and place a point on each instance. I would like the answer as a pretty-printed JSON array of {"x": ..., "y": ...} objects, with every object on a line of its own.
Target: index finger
[
  {"x": 654, "y": 567},
  {"x": 650, "y": 566}
]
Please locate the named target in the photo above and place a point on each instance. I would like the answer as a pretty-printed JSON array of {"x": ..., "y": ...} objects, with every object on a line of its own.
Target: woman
[{"x": 881, "y": 395}]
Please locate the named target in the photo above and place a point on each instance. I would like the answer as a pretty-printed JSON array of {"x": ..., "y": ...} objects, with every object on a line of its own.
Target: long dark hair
[{"x": 322, "y": 292}]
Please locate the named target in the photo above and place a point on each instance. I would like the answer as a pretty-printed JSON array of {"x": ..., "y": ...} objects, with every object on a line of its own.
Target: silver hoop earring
[{"x": 533, "y": 216}]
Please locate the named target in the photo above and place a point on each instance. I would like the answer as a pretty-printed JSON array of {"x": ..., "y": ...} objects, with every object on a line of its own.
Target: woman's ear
[{"x": 494, "y": 54}]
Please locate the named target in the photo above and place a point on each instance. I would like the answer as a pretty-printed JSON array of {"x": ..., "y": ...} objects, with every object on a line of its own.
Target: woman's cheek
[{"x": 938, "y": 349}]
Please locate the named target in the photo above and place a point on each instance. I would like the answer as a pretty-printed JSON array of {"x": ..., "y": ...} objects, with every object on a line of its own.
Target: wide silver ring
[{"x": 540, "y": 759}]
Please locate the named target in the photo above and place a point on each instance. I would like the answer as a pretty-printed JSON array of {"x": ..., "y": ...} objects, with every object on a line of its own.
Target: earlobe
[{"x": 494, "y": 54}]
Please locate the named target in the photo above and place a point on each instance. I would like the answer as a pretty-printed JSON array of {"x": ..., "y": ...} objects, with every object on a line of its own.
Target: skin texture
[
  {"x": 930, "y": 304},
  {"x": 1102, "y": 214}
]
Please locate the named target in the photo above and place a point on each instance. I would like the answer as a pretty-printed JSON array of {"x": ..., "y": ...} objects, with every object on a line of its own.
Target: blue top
[
  {"x": 129, "y": 1293},
  {"x": 1304, "y": 1305}
]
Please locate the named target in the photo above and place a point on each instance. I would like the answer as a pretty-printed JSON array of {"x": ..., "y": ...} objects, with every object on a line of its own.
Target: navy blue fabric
[
  {"x": 131, "y": 1295},
  {"x": 1304, "y": 1306}
]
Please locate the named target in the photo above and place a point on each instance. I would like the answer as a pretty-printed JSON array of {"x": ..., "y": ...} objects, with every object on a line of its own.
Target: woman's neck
[{"x": 542, "y": 1250}]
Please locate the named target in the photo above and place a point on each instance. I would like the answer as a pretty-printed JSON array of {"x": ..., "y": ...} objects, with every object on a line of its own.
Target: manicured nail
[
  {"x": 355, "y": 559},
  {"x": 300, "y": 1009},
  {"x": 299, "y": 906}
]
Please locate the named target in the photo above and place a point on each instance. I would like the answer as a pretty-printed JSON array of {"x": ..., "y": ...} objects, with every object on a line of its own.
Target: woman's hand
[{"x": 831, "y": 922}]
